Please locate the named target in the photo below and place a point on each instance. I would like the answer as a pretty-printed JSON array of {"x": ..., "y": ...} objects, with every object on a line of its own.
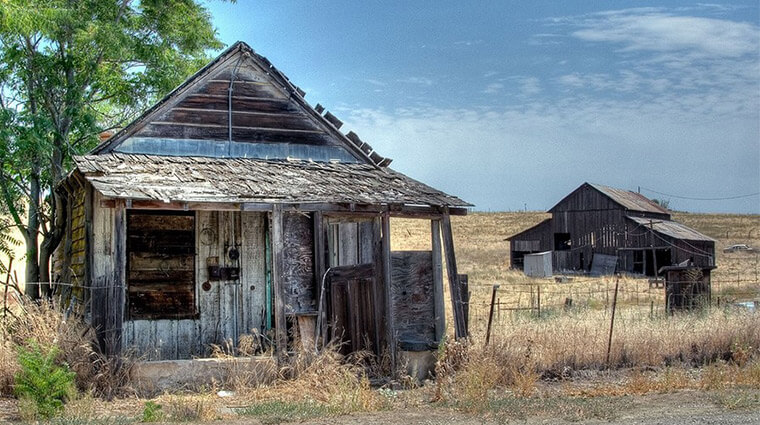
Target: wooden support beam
[
  {"x": 281, "y": 334},
  {"x": 440, "y": 309},
  {"x": 460, "y": 327},
  {"x": 379, "y": 288},
  {"x": 319, "y": 270},
  {"x": 117, "y": 290},
  {"x": 390, "y": 325}
]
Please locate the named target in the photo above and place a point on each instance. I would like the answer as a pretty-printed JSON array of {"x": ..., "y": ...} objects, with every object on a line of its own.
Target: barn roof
[
  {"x": 671, "y": 228},
  {"x": 630, "y": 200},
  {"x": 205, "y": 179}
]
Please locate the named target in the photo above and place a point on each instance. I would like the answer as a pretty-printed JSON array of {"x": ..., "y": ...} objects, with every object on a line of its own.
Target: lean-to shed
[{"x": 233, "y": 207}]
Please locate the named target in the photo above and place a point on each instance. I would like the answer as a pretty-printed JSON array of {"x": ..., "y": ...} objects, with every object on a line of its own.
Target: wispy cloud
[
  {"x": 422, "y": 81},
  {"x": 493, "y": 88},
  {"x": 659, "y": 31},
  {"x": 680, "y": 95}
]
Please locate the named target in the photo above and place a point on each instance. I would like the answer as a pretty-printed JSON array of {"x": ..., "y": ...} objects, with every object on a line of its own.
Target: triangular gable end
[
  {"x": 630, "y": 201},
  {"x": 239, "y": 105}
]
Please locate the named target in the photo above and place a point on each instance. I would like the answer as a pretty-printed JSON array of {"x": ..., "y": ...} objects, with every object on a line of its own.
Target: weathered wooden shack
[
  {"x": 596, "y": 219},
  {"x": 232, "y": 207},
  {"x": 687, "y": 286}
]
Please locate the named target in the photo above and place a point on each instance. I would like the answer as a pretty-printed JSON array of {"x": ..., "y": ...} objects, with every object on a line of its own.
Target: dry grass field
[{"x": 543, "y": 366}]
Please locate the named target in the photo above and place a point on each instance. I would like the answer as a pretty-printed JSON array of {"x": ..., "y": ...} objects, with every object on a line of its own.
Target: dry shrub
[
  {"x": 327, "y": 377},
  {"x": 467, "y": 373},
  {"x": 44, "y": 323},
  {"x": 247, "y": 366}
]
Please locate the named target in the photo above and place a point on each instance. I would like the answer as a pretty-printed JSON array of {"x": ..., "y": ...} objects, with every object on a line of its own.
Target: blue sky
[{"x": 514, "y": 104}]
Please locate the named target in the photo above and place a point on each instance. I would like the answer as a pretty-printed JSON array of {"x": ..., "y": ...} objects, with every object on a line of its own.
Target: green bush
[
  {"x": 47, "y": 384},
  {"x": 152, "y": 412}
]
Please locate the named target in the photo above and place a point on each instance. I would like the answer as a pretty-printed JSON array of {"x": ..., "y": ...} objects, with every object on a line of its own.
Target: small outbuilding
[
  {"x": 602, "y": 229},
  {"x": 538, "y": 264},
  {"x": 234, "y": 208}
]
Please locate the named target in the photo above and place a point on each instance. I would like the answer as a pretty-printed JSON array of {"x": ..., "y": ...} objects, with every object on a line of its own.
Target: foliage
[
  {"x": 68, "y": 70},
  {"x": 152, "y": 412},
  {"x": 42, "y": 380}
]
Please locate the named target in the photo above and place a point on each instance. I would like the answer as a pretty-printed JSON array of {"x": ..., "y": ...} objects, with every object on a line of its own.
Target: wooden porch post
[
  {"x": 440, "y": 310},
  {"x": 281, "y": 335},
  {"x": 460, "y": 327},
  {"x": 390, "y": 323}
]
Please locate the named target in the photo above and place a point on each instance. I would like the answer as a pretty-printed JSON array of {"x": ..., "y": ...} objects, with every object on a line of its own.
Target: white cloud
[
  {"x": 654, "y": 30},
  {"x": 530, "y": 86},
  {"x": 539, "y": 151},
  {"x": 493, "y": 88},
  {"x": 422, "y": 81}
]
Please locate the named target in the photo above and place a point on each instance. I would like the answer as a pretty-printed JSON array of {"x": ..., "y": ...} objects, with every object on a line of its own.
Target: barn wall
[{"x": 412, "y": 297}]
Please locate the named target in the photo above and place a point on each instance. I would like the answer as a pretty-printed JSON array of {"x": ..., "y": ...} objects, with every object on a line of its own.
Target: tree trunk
[{"x": 31, "y": 288}]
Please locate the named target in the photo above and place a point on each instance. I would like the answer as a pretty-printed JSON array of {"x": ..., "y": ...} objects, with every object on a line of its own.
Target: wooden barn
[
  {"x": 232, "y": 207},
  {"x": 595, "y": 226}
]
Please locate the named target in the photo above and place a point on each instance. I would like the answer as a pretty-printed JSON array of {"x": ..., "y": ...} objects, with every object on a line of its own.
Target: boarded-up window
[{"x": 161, "y": 264}]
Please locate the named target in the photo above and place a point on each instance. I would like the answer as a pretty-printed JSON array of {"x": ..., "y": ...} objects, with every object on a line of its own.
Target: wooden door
[{"x": 352, "y": 321}]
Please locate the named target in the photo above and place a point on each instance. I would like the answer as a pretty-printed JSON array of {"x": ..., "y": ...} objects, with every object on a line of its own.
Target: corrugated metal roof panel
[
  {"x": 630, "y": 200},
  {"x": 672, "y": 229}
]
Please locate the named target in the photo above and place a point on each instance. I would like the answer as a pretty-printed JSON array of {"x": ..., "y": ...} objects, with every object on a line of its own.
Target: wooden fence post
[
  {"x": 612, "y": 322},
  {"x": 490, "y": 314}
]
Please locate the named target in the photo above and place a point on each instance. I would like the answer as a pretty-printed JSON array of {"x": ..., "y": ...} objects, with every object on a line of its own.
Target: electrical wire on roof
[{"x": 749, "y": 195}]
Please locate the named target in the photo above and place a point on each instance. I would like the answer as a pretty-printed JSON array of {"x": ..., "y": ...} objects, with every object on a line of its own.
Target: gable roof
[
  {"x": 543, "y": 222},
  {"x": 671, "y": 228},
  {"x": 630, "y": 201},
  {"x": 240, "y": 97},
  {"x": 204, "y": 179}
]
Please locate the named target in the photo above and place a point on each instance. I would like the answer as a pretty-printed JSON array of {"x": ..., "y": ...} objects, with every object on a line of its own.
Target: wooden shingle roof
[{"x": 205, "y": 179}]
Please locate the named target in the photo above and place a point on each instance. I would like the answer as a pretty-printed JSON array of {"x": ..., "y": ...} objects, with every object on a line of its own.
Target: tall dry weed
[{"x": 45, "y": 324}]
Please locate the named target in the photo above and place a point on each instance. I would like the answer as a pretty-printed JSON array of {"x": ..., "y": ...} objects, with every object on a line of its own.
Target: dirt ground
[
  {"x": 685, "y": 407},
  {"x": 682, "y": 407}
]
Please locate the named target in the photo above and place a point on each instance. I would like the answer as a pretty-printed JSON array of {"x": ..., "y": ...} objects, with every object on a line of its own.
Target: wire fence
[{"x": 526, "y": 301}]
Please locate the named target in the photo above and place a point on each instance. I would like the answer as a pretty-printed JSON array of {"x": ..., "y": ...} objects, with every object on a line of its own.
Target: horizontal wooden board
[
  {"x": 261, "y": 135},
  {"x": 291, "y": 121},
  {"x": 157, "y": 262},
  {"x": 151, "y": 222},
  {"x": 169, "y": 242},
  {"x": 239, "y": 103},
  {"x": 240, "y": 88}
]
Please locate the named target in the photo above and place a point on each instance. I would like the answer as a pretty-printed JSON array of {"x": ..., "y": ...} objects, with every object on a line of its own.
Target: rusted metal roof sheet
[
  {"x": 203, "y": 179},
  {"x": 672, "y": 229},
  {"x": 630, "y": 200}
]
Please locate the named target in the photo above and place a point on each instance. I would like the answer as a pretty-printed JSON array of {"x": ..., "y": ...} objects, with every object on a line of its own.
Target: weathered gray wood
[
  {"x": 319, "y": 271},
  {"x": 413, "y": 297},
  {"x": 253, "y": 271},
  {"x": 298, "y": 263},
  {"x": 460, "y": 327},
  {"x": 379, "y": 287},
  {"x": 438, "y": 293},
  {"x": 228, "y": 288},
  {"x": 281, "y": 340},
  {"x": 387, "y": 282},
  {"x": 116, "y": 298},
  {"x": 401, "y": 211},
  {"x": 207, "y": 241},
  {"x": 349, "y": 244}
]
